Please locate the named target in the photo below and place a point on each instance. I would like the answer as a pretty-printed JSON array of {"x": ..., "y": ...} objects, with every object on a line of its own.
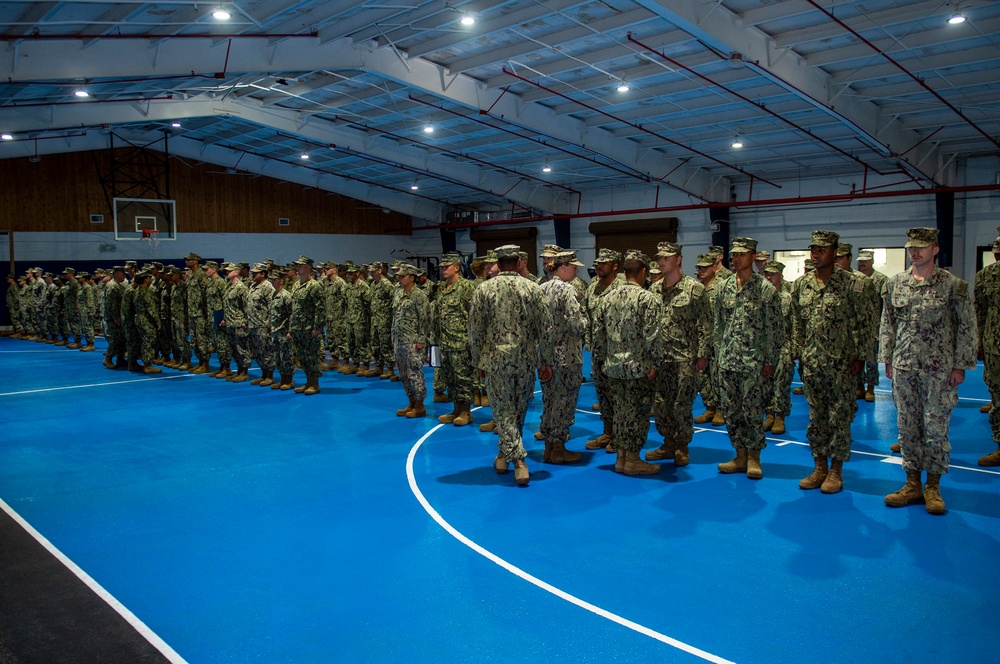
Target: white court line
[
  {"x": 77, "y": 387},
  {"x": 561, "y": 594},
  {"x": 108, "y": 598}
]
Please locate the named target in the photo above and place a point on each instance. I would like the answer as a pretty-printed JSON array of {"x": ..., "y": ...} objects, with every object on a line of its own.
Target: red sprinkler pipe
[
  {"x": 83, "y": 37},
  {"x": 758, "y": 105},
  {"x": 641, "y": 128}
]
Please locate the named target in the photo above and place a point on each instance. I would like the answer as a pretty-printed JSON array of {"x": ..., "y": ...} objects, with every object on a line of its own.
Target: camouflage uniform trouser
[
  {"x": 116, "y": 342},
  {"x": 282, "y": 354},
  {"x": 410, "y": 363},
  {"x": 73, "y": 321},
  {"x": 440, "y": 383},
  {"x": 87, "y": 325},
  {"x": 306, "y": 348},
  {"x": 180, "y": 345},
  {"x": 510, "y": 390},
  {"x": 239, "y": 346},
  {"x": 382, "y": 348},
  {"x": 261, "y": 348},
  {"x": 676, "y": 387},
  {"x": 222, "y": 347},
  {"x": 63, "y": 325},
  {"x": 336, "y": 338},
  {"x": 52, "y": 322},
  {"x": 604, "y": 398},
  {"x": 146, "y": 338},
  {"x": 457, "y": 374},
  {"x": 357, "y": 348},
  {"x": 870, "y": 372},
  {"x": 133, "y": 341},
  {"x": 831, "y": 409},
  {"x": 164, "y": 341},
  {"x": 559, "y": 397},
  {"x": 201, "y": 334},
  {"x": 27, "y": 322},
  {"x": 991, "y": 374},
  {"x": 631, "y": 399},
  {"x": 924, "y": 403},
  {"x": 780, "y": 402},
  {"x": 742, "y": 395},
  {"x": 706, "y": 386}
]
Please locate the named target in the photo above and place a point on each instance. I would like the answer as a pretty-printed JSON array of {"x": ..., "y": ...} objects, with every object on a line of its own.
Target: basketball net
[{"x": 150, "y": 236}]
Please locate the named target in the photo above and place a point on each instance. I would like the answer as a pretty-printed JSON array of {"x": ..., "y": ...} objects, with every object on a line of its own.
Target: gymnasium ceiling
[{"x": 859, "y": 89}]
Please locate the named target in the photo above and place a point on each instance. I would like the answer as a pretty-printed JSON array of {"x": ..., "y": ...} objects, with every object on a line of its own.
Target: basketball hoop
[{"x": 150, "y": 236}]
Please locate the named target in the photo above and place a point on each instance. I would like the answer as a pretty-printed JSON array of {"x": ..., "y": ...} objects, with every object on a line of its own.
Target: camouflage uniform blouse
[
  {"x": 626, "y": 332},
  {"x": 234, "y": 304},
  {"x": 197, "y": 285},
  {"x": 308, "y": 307},
  {"x": 928, "y": 325},
  {"x": 411, "y": 317},
  {"x": 829, "y": 319},
  {"x": 280, "y": 312},
  {"x": 748, "y": 333},
  {"x": 450, "y": 314},
  {"x": 987, "y": 293},
  {"x": 686, "y": 326},
  {"x": 569, "y": 322},
  {"x": 259, "y": 305},
  {"x": 509, "y": 325}
]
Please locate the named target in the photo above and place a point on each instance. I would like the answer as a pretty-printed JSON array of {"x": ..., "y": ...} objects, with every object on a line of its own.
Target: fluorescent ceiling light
[
  {"x": 7, "y": 137},
  {"x": 546, "y": 169},
  {"x": 623, "y": 87},
  {"x": 81, "y": 93},
  {"x": 428, "y": 129},
  {"x": 957, "y": 18},
  {"x": 220, "y": 14},
  {"x": 467, "y": 20}
]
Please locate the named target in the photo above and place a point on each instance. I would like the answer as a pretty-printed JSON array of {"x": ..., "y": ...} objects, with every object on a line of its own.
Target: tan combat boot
[
  {"x": 896, "y": 447},
  {"x": 991, "y": 459},
  {"x": 267, "y": 379},
  {"x": 403, "y": 412},
  {"x": 418, "y": 410},
  {"x": 464, "y": 414},
  {"x": 224, "y": 372},
  {"x": 538, "y": 435},
  {"x": 859, "y": 393},
  {"x": 620, "y": 461},
  {"x": 258, "y": 380},
  {"x": 778, "y": 427},
  {"x": 768, "y": 421},
  {"x": 374, "y": 373},
  {"x": 501, "y": 465},
  {"x": 737, "y": 464},
  {"x": 932, "y": 494},
  {"x": 489, "y": 427},
  {"x": 986, "y": 408},
  {"x": 387, "y": 374},
  {"x": 362, "y": 370},
  {"x": 798, "y": 390},
  {"x": 345, "y": 368},
  {"x": 121, "y": 363},
  {"x": 448, "y": 418},
  {"x": 834, "y": 481},
  {"x": 557, "y": 453},
  {"x": 149, "y": 369},
  {"x": 521, "y": 474},
  {"x": 912, "y": 492},
  {"x": 185, "y": 365},
  {"x": 682, "y": 457},
  {"x": 663, "y": 452},
  {"x": 818, "y": 475},
  {"x": 634, "y": 465},
  {"x": 395, "y": 377},
  {"x": 754, "y": 471},
  {"x": 441, "y": 397},
  {"x": 134, "y": 366},
  {"x": 288, "y": 382},
  {"x": 705, "y": 417},
  {"x": 108, "y": 363},
  {"x": 61, "y": 342},
  {"x": 301, "y": 388},
  {"x": 241, "y": 376},
  {"x": 596, "y": 407},
  {"x": 312, "y": 386},
  {"x": 718, "y": 420},
  {"x": 870, "y": 394},
  {"x": 484, "y": 400},
  {"x": 601, "y": 441}
]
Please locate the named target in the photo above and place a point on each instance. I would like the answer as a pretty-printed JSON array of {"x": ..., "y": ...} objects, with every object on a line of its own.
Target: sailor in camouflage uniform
[
  {"x": 199, "y": 318},
  {"x": 869, "y": 320},
  {"x": 747, "y": 340},
  {"x": 234, "y": 322},
  {"x": 686, "y": 337},
  {"x": 308, "y": 318},
  {"x": 928, "y": 341},
  {"x": 71, "y": 306},
  {"x": 549, "y": 252},
  {"x": 569, "y": 325},
  {"x": 450, "y": 325},
  {"x": 626, "y": 340},
  {"x": 718, "y": 253},
  {"x": 113, "y": 315},
  {"x": 509, "y": 336},
  {"x": 411, "y": 326},
  {"x": 869, "y": 376},
  {"x": 705, "y": 269},
  {"x": 380, "y": 293},
  {"x": 27, "y": 315},
  {"x": 336, "y": 306},
  {"x": 179, "y": 323},
  {"x": 146, "y": 321},
  {"x": 85, "y": 304},
  {"x": 780, "y": 403},
  {"x": 606, "y": 267},
  {"x": 215, "y": 294},
  {"x": 279, "y": 321},
  {"x": 13, "y": 305},
  {"x": 987, "y": 291},
  {"x": 358, "y": 301},
  {"x": 830, "y": 341},
  {"x": 259, "y": 323}
]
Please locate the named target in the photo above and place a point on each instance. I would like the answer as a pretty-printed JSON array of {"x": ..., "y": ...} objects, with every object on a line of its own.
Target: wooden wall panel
[{"x": 60, "y": 192}]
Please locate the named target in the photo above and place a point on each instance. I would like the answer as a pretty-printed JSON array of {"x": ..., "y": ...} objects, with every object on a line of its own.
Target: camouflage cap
[
  {"x": 654, "y": 268},
  {"x": 192, "y": 257},
  {"x": 450, "y": 259},
  {"x": 212, "y": 264},
  {"x": 996, "y": 245},
  {"x": 173, "y": 269},
  {"x": 667, "y": 249},
  {"x": 157, "y": 264},
  {"x": 921, "y": 237},
  {"x": 230, "y": 266},
  {"x": 303, "y": 260},
  {"x": 118, "y": 268},
  {"x": 566, "y": 258},
  {"x": 824, "y": 239},
  {"x": 705, "y": 260},
  {"x": 513, "y": 251},
  {"x": 716, "y": 250},
  {"x": 743, "y": 245},
  {"x": 259, "y": 267},
  {"x": 844, "y": 249},
  {"x": 351, "y": 267},
  {"x": 131, "y": 264},
  {"x": 866, "y": 255},
  {"x": 774, "y": 266},
  {"x": 490, "y": 257},
  {"x": 550, "y": 250},
  {"x": 608, "y": 256},
  {"x": 762, "y": 256},
  {"x": 69, "y": 270},
  {"x": 142, "y": 274},
  {"x": 11, "y": 276},
  {"x": 636, "y": 255},
  {"x": 49, "y": 274},
  {"x": 809, "y": 265},
  {"x": 275, "y": 273},
  {"x": 146, "y": 267},
  {"x": 244, "y": 265},
  {"x": 522, "y": 255},
  {"x": 405, "y": 269}
]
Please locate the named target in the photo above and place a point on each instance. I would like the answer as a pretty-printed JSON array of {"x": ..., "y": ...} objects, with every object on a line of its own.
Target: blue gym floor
[{"x": 243, "y": 524}]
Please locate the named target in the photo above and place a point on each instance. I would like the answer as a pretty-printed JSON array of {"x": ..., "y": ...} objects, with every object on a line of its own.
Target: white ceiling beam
[
  {"x": 987, "y": 57},
  {"x": 881, "y": 22}
]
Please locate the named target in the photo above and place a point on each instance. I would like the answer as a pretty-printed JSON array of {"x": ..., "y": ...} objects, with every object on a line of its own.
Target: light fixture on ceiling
[
  {"x": 623, "y": 86},
  {"x": 304, "y": 155},
  {"x": 467, "y": 20},
  {"x": 221, "y": 14},
  {"x": 956, "y": 18},
  {"x": 429, "y": 129},
  {"x": 175, "y": 124},
  {"x": 7, "y": 137},
  {"x": 737, "y": 142},
  {"x": 546, "y": 168},
  {"x": 414, "y": 186},
  {"x": 81, "y": 93}
]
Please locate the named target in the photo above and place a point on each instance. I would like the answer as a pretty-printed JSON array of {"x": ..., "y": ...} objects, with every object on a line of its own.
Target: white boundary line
[
  {"x": 77, "y": 387},
  {"x": 516, "y": 571},
  {"x": 129, "y": 617}
]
